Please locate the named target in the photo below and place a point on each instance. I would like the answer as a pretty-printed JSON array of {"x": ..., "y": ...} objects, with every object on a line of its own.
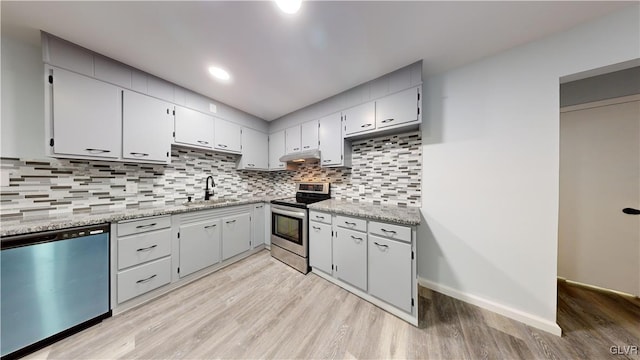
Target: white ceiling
[{"x": 281, "y": 63}]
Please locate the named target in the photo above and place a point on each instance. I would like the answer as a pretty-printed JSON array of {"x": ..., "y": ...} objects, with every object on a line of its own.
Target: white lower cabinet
[
  {"x": 144, "y": 278},
  {"x": 390, "y": 271},
  {"x": 258, "y": 232},
  {"x": 236, "y": 235},
  {"x": 372, "y": 259},
  {"x": 150, "y": 253},
  {"x": 320, "y": 236},
  {"x": 199, "y": 245},
  {"x": 143, "y": 256},
  {"x": 350, "y": 257}
]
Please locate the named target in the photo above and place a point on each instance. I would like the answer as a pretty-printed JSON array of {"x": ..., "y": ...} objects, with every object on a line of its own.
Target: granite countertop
[
  {"x": 61, "y": 221},
  {"x": 388, "y": 213}
]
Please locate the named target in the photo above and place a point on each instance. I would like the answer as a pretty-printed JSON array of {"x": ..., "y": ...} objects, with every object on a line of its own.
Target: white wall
[
  {"x": 490, "y": 176},
  {"x": 22, "y": 123}
]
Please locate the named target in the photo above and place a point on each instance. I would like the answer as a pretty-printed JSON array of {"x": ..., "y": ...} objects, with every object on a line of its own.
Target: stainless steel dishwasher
[{"x": 54, "y": 284}]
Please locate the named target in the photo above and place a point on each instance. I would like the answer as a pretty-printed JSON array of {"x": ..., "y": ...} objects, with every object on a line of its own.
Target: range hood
[{"x": 302, "y": 156}]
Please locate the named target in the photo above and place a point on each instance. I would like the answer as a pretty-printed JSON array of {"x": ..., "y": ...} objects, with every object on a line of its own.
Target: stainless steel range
[{"x": 290, "y": 224}]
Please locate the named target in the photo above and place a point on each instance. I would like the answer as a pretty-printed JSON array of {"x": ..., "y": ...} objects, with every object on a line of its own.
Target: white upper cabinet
[
  {"x": 399, "y": 108},
  {"x": 293, "y": 140},
  {"x": 255, "y": 150},
  {"x": 228, "y": 136},
  {"x": 193, "y": 128},
  {"x": 360, "y": 118},
  {"x": 309, "y": 135},
  {"x": 86, "y": 116},
  {"x": 147, "y": 124},
  {"x": 276, "y": 150},
  {"x": 331, "y": 143}
]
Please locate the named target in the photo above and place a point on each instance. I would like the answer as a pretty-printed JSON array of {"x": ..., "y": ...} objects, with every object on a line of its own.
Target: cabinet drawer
[
  {"x": 138, "y": 226},
  {"x": 144, "y": 278},
  {"x": 390, "y": 231},
  {"x": 351, "y": 223},
  {"x": 140, "y": 248},
  {"x": 320, "y": 217}
]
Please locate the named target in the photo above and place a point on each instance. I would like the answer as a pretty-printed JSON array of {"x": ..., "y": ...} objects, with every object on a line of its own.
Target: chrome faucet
[{"x": 208, "y": 194}]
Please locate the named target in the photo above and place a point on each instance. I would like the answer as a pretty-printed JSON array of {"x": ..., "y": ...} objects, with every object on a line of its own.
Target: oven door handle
[{"x": 295, "y": 214}]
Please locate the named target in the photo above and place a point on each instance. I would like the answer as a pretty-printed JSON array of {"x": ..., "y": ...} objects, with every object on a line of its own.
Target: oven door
[{"x": 289, "y": 229}]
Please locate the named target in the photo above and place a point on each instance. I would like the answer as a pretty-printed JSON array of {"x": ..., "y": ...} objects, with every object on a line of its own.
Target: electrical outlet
[
  {"x": 132, "y": 188},
  {"x": 4, "y": 180}
]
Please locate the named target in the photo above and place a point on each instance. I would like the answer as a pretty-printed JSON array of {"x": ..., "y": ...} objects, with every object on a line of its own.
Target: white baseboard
[{"x": 515, "y": 314}]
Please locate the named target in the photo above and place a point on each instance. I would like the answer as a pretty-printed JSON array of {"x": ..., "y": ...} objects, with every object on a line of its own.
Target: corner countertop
[
  {"x": 388, "y": 213},
  {"x": 62, "y": 221}
]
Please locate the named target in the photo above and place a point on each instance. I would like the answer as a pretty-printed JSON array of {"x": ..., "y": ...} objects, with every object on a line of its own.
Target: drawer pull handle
[
  {"x": 259, "y": 207},
  {"x": 381, "y": 245},
  {"x": 251, "y": 165},
  {"x": 356, "y": 238},
  {"x": 222, "y": 145},
  {"x": 97, "y": 151},
  {"x": 329, "y": 160},
  {"x": 147, "y": 248},
  {"x": 306, "y": 147},
  {"x": 349, "y": 223},
  {"x": 319, "y": 217},
  {"x": 387, "y": 120},
  {"x": 365, "y": 125},
  {"x": 146, "y": 226},
  {"x": 137, "y": 154},
  {"x": 230, "y": 221},
  {"x": 146, "y": 280},
  {"x": 203, "y": 142},
  {"x": 316, "y": 227},
  {"x": 210, "y": 226},
  {"x": 388, "y": 231}
]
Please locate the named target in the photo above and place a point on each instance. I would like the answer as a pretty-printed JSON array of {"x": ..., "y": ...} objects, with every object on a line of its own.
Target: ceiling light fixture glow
[
  {"x": 289, "y": 6},
  {"x": 219, "y": 73}
]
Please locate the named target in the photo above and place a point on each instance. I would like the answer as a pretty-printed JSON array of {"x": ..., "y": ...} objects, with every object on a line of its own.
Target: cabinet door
[
  {"x": 390, "y": 271},
  {"x": 257, "y": 225},
  {"x": 320, "y": 246},
  {"x": 360, "y": 118},
  {"x": 350, "y": 257},
  {"x": 228, "y": 136},
  {"x": 331, "y": 142},
  {"x": 87, "y": 116},
  {"x": 276, "y": 150},
  {"x": 236, "y": 235},
  {"x": 292, "y": 141},
  {"x": 255, "y": 150},
  {"x": 193, "y": 128},
  {"x": 309, "y": 135},
  {"x": 398, "y": 108},
  {"x": 147, "y": 124},
  {"x": 199, "y": 245}
]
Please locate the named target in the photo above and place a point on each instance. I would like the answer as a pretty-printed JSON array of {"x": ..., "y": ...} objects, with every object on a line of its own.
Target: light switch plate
[
  {"x": 213, "y": 108},
  {"x": 4, "y": 180},
  {"x": 132, "y": 188}
]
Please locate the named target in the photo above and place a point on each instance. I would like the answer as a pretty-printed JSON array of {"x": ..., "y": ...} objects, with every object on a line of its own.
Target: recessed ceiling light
[
  {"x": 289, "y": 6},
  {"x": 219, "y": 73}
]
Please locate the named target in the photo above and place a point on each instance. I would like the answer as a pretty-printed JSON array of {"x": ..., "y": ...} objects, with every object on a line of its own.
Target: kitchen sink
[{"x": 208, "y": 202}]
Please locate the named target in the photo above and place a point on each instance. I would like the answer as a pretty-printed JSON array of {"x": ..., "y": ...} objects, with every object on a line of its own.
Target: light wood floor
[{"x": 260, "y": 308}]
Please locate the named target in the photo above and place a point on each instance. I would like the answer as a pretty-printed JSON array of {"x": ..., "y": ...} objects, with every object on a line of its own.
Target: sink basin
[{"x": 208, "y": 202}]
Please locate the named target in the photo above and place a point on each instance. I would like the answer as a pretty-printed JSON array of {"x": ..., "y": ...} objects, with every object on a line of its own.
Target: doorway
[{"x": 599, "y": 235}]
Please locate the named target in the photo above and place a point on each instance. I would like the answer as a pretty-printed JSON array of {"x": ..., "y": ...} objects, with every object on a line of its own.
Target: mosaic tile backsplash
[{"x": 386, "y": 170}]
